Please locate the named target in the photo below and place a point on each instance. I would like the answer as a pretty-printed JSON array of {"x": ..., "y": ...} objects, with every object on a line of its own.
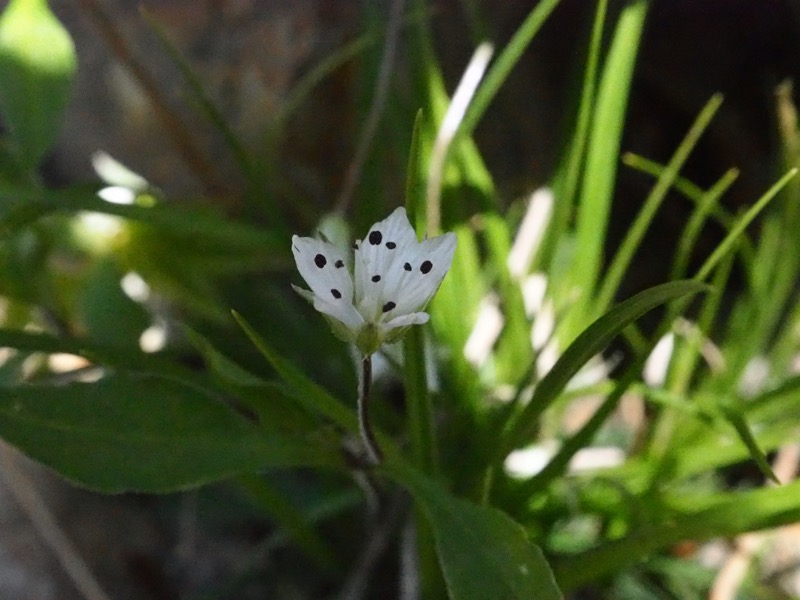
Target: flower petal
[
  {"x": 413, "y": 282},
  {"x": 344, "y": 312},
  {"x": 417, "y": 318},
  {"x": 375, "y": 258},
  {"x": 323, "y": 267}
]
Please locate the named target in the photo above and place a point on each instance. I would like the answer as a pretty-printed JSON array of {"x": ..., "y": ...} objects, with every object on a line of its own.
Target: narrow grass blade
[
  {"x": 735, "y": 418},
  {"x": 421, "y": 430},
  {"x": 562, "y": 210},
  {"x": 310, "y": 394},
  {"x": 600, "y": 170},
  {"x": 709, "y": 201},
  {"x": 685, "y": 187},
  {"x": 730, "y": 240},
  {"x": 636, "y": 232}
]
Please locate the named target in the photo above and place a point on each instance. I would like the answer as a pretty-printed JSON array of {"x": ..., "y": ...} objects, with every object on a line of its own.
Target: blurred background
[{"x": 130, "y": 101}]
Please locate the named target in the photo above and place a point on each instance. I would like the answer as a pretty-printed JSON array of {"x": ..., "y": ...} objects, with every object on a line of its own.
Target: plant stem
[{"x": 374, "y": 454}]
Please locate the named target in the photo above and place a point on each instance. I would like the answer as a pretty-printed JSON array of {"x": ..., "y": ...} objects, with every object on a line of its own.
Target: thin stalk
[{"x": 374, "y": 454}]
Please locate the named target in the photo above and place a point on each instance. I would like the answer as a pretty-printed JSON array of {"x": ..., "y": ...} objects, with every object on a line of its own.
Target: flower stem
[{"x": 374, "y": 454}]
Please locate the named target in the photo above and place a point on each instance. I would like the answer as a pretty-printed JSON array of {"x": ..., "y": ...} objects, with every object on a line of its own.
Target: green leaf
[
  {"x": 109, "y": 316},
  {"x": 576, "y": 149},
  {"x": 483, "y": 553},
  {"x": 37, "y": 64},
  {"x": 142, "y": 433}
]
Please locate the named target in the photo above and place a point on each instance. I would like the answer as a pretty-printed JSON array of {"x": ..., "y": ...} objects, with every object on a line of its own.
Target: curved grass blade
[{"x": 586, "y": 345}]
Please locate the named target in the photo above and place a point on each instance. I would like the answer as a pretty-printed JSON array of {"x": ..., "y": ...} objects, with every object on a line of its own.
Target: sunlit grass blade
[
  {"x": 464, "y": 168},
  {"x": 636, "y": 232},
  {"x": 576, "y": 151},
  {"x": 691, "y": 232},
  {"x": 449, "y": 126},
  {"x": 602, "y": 157}
]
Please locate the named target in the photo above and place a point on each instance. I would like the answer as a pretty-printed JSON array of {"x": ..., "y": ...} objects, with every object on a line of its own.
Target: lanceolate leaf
[
  {"x": 143, "y": 433},
  {"x": 483, "y": 553}
]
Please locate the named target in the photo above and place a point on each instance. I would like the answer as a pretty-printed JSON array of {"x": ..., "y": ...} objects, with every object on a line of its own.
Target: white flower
[{"x": 394, "y": 278}]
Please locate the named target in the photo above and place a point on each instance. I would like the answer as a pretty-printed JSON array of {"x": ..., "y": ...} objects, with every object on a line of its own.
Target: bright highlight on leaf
[
  {"x": 394, "y": 277},
  {"x": 37, "y": 66}
]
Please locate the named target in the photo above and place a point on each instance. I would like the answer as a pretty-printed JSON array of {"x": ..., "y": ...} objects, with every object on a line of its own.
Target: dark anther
[
  {"x": 376, "y": 278},
  {"x": 320, "y": 261},
  {"x": 407, "y": 267},
  {"x": 375, "y": 238},
  {"x": 426, "y": 267},
  {"x": 388, "y": 306},
  {"x": 391, "y": 245},
  {"x": 339, "y": 263},
  {"x": 336, "y": 293}
]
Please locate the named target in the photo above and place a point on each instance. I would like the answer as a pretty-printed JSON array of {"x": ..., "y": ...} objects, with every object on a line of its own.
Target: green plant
[{"x": 137, "y": 420}]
